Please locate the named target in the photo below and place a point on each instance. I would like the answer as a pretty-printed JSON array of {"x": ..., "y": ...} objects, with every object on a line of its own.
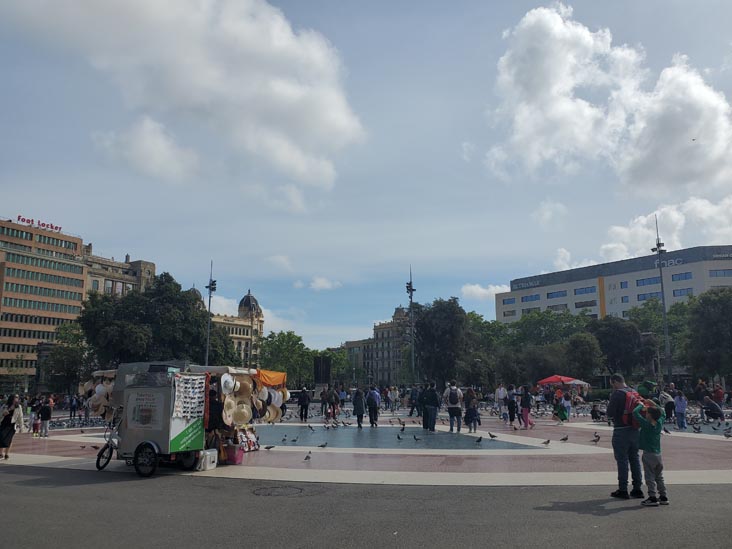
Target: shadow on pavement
[
  {"x": 37, "y": 477},
  {"x": 592, "y": 507}
]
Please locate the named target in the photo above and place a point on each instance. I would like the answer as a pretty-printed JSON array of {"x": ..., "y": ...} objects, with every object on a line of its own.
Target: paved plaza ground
[{"x": 368, "y": 484}]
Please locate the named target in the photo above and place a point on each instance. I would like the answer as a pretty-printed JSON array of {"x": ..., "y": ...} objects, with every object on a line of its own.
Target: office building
[{"x": 614, "y": 288}]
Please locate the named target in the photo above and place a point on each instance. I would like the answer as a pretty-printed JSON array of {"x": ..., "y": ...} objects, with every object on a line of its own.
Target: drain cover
[{"x": 278, "y": 491}]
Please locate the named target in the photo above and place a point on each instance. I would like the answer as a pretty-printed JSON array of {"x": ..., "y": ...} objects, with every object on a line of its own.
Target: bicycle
[{"x": 104, "y": 456}]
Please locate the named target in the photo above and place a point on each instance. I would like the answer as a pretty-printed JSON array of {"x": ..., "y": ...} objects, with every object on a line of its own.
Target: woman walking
[
  {"x": 512, "y": 407},
  {"x": 471, "y": 410},
  {"x": 359, "y": 406},
  {"x": 526, "y": 408},
  {"x": 12, "y": 420}
]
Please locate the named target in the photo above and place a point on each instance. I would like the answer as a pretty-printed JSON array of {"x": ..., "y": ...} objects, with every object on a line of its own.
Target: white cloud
[
  {"x": 319, "y": 283},
  {"x": 234, "y": 68},
  {"x": 280, "y": 261},
  {"x": 298, "y": 284},
  {"x": 150, "y": 149},
  {"x": 481, "y": 293},
  {"x": 221, "y": 305},
  {"x": 467, "y": 150},
  {"x": 286, "y": 198},
  {"x": 274, "y": 322},
  {"x": 563, "y": 261},
  {"x": 570, "y": 96},
  {"x": 549, "y": 213}
]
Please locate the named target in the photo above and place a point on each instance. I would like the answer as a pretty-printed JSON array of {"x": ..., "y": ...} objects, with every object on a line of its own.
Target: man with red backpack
[{"x": 623, "y": 401}]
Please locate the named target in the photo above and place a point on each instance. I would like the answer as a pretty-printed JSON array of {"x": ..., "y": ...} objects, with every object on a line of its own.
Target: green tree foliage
[
  {"x": 583, "y": 356},
  {"x": 441, "y": 338},
  {"x": 163, "y": 323},
  {"x": 620, "y": 342},
  {"x": 286, "y": 352},
  {"x": 71, "y": 359},
  {"x": 709, "y": 344},
  {"x": 545, "y": 327}
]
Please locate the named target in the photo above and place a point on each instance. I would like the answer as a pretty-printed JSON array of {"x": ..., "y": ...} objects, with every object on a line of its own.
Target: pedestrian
[
  {"x": 333, "y": 402},
  {"x": 471, "y": 410},
  {"x": 414, "y": 401},
  {"x": 303, "y": 401},
  {"x": 712, "y": 409},
  {"x": 718, "y": 394},
  {"x": 526, "y": 408},
  {"x": 45, "y": 414},
  {"x": 323, "y": 402},
  {"x": 373, "y": 402},
  {"x": 667, "y": 401},
  {"x": 393, "y": 399},
  {"x": 512, "y": 406},
  {"x": 650, "y": 442},
  {"x": 359, "y": 407},
  {"x": 35, "y": 405},
  {"x": 625, "y": 437},
  {"x": 73, "y": 406},
  {"x": 430, "y": 405},
  {"x": 567, "y": 403},
  {"x": 500, "y": 401},
  {"x": 680, "y": 404},
  {"x": 12, "y": 421},
  {"x": 453, "y": 398}
]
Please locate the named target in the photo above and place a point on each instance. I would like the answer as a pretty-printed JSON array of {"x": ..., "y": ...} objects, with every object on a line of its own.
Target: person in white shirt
[
  {"x": 500, "y": 401},
  {"x": 453, "y": 399}
]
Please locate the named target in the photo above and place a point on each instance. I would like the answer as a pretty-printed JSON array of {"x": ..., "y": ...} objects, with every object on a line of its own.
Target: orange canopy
[{"x": 269, "y": 378}]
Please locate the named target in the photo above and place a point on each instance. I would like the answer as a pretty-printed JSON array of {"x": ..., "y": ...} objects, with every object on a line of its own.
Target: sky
[{"x": 316, "y": 150}]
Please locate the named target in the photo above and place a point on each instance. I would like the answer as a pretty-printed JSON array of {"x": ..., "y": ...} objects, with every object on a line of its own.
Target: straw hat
[
  {"x": 273, "y": 413},
  {"x": 228, "y": 420},
  {"x": 285, "y": 394},
  {"x": 242, "y": 414},
  {"x": 227, "y": 384},
  {"x": 245, "y": 387},
  {"x": 276, "y": 398},
  {"x": 263, "y": 394},
  {"x": 229, "y": 405}
]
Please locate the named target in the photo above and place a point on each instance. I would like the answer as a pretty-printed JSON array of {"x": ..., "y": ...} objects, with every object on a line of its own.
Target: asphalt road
[{"x": 60, "y": 508}]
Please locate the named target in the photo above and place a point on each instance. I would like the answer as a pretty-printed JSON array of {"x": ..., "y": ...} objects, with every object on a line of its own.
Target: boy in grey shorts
[{"x": 649, "y": 441}]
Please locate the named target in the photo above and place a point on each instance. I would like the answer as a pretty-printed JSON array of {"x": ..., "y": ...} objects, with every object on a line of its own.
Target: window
[
  {"x": 108, "y": 287},
  {"x": 530, "y": 310},
  {"x": 623, "y": 284},
  {"x": 533, "y": 297},
  {"x": 559, "y": 307},
  {"x": 626, "y": 314},
  {"x": 509, "y": 313},
  {"x": 15, "y": 233},
  {"x": 681, "y": 276},
  {"x": 625, "y": 299},
  {"x": 554, "y": 295},
  {"x": 509, "y": 300},
  {"x": 95, "y": 285},
  {"x": 683, "y": 291},
  {"x": 587, "y": 290},
  {"x": 650, "y": 295},
  {"x": 719, "y": 273},
  {"x": 648, "y": 281},
  {"x": 585, "y": 304},
  {"x": 43, "y": 263}
]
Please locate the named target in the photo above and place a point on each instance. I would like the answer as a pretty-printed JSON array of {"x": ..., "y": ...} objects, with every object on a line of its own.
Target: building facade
[
  {"x": 359, "y": 359},
  {"x": 245, "y": 329},
  {"x": 612, "y": 289},
  {"x": 42, "y": 286},
  {"x": 116, "y": 277}
]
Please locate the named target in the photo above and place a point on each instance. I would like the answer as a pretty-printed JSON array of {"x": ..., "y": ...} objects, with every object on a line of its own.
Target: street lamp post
[
  {"x": 410, "y": 291},
  {"x": 211, "y": 289},
  {"x": 659, "y": 251}
]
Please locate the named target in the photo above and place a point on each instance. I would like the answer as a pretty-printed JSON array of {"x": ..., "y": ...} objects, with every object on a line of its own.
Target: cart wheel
[
  {"x": 146, "y": 460},
  {"x": 188, "y": 461},
  {"x": 103, "y": 457}
]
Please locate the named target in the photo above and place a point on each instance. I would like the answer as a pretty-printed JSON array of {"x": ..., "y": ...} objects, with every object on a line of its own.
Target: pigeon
[
  {"x": 565, "y": 438},
  {"x": 95, "y": 447},
  {"x": 719, "y": 423},
  {"x": 414, "y": 421},
  {"x": 323, "y": 445},
  {"x": 666, "y": 431},
  {"x": 311, "y": 428},
  {"x": 294, "y": 440},
  {"x": 307, "y": 458},
  {"x": 399, "y": 438},
  {"x": 727, "y": 435},
  {"x": 82, "y": 431},
  {"x": 402, "y": 429},
  {"x": 546, "y": 442},
  {"x": 416, "y": 439},
  {"x": 284, "y": 439},
  {"x": 714, "y": 428},
  {"x": 479, "y": 440},
  {"x": 596, "y": 439},
  {"x": 269, "y": 447},
  {"x": 696, "y": 428},
  {"x": 492, "y": 435},
  {"x": 83, "y": 447}
]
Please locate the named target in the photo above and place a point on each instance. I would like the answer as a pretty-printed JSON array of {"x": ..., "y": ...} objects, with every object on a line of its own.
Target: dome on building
[
  {"x": 195, "y": 292},
  {"x": 249, "y": 306}
]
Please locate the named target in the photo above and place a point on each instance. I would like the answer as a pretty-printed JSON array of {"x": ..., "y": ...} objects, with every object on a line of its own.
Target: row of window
[
  {"x": 683, "y": 291},
  {"x": 43, "y": 263},
  {"x": 40, "y": 290},
  {"x": 649, "y": 295},
  {"x": 27, "y": 334},
  {"x": 719, "y": 273},
  {"x": 236, "y": 330},
  {"x": 554, "y": 295},
  {"x": 16, "y": 348},
  {"x": 681, "y": 276},
  {"x": 33, "y": 319},
  {"x": 41, "y": 306},
  {"x": 43, "y": 277},
  {"x": 532, "y": 297},
  {"x": 53, "y": 253},
  {"x": 16, "y": 233},
  {"x": 648, "y": 281},
  {"x": 44, "y": 239},
  {"x": 587, "y": 290},
  {"x": 14, "y": 363},
  {"x": 14, "y": 246},
  {"x": 585, "y": 304}
]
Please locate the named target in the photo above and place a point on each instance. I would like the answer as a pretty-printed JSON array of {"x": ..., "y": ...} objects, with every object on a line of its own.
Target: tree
[
  {"x": 163, "y": 323},
  {"x": 544, "y": 327},
  {"x": 584, "y": 356},
  {"x": 540, "y": 361},
  {"x": 440, "y": 333},
  {"x": 286, "y": 352},
  {"x": 709, "y": 345},
  {"x": 71, "y": 359},
  {"x": 619, "y": 341}
]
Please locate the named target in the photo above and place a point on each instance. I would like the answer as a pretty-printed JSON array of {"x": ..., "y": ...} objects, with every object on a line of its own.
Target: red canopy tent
[{"x": 552, "y": 380}]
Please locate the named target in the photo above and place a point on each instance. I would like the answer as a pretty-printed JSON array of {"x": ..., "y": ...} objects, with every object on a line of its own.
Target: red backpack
[{"x": 632, "y": 400}]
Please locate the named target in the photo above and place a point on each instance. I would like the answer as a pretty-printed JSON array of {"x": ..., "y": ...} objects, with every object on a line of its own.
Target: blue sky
[{"x": 314, "y": 150}]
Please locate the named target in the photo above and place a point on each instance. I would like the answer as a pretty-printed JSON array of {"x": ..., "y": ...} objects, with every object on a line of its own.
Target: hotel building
[{"x": 614, "y": 288}]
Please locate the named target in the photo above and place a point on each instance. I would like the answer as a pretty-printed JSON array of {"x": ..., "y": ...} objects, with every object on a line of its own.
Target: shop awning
[{"x": 269, "y": 378}]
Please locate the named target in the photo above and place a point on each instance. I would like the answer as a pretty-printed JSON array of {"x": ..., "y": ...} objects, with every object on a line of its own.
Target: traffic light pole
[
  {"x": 211, "y": 289},
  {"x": 410, "y": 292}
]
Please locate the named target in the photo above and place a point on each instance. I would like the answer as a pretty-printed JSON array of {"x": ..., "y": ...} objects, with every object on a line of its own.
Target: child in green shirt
[{"x": 650, "y": 442}]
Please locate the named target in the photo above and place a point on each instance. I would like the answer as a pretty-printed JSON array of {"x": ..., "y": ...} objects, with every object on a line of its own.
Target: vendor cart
[{"x": 158, "y": 416}]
